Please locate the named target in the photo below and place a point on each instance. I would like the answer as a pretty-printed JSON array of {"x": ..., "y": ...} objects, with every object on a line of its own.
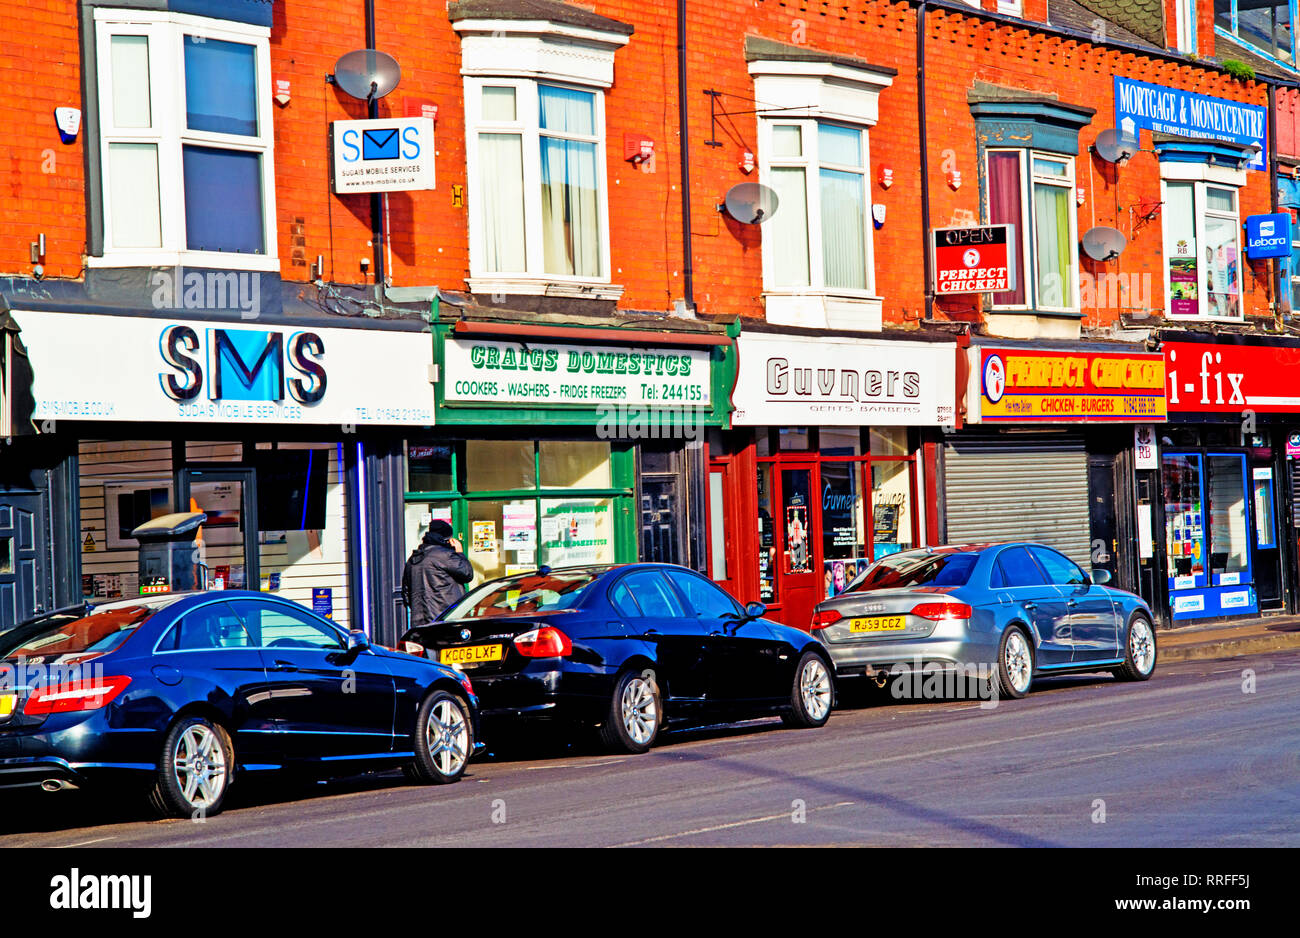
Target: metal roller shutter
[{"x": 1009, "y": 489}]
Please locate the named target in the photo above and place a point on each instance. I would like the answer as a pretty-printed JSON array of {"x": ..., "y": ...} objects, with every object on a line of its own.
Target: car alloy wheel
[
  {"x": 446, "y": 736},
  {"x": 815, "y": 688},
  {"x": 640, "y": 710},
  {"x": 1142, "y": 646},
  {"x": 199, "y": 763},
  {"x": 1017, "y": 661}
]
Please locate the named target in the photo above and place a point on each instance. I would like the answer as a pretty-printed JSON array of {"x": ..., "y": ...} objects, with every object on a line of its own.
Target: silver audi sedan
[{"x": 999, "y": 613}]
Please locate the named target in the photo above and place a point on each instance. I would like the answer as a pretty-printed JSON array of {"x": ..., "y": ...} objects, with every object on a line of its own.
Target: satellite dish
[
  {"x": 751, "y": 203},
  {"x": 367, "y": 73},
  {"x": 1104, "y": 244},
  {"x": 1115, "y": 146}
]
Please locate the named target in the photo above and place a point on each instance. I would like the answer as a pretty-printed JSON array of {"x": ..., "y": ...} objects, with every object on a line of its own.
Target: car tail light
[
  {"x": 939, "y": 611},
  {"x": 465, "y": 682},
  {"x": 413, "y": 648},
  {"x": 73, "y": 696},
  {"x": 546, "y": 642},
  {"x": 824, "y": 617}
]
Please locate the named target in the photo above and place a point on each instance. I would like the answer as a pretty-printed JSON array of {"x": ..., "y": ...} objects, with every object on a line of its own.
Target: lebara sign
[
  {"x": 94, "y": 367},
  {"x": 1139, "y": 105},
  {"x": 1268, "y": 235}
]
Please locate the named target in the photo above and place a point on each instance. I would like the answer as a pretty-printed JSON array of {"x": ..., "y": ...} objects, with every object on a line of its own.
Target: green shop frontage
[{"x": 565, "y": 445}]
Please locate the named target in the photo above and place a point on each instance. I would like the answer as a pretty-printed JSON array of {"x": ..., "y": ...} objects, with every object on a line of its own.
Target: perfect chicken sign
[{"x": 973, "y": 260}]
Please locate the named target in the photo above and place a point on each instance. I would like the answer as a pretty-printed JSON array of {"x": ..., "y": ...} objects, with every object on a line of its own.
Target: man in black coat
[{"x": 435, "y": 574}]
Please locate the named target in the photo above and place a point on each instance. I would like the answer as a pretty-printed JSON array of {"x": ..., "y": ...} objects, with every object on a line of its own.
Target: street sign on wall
[
  {"x": 973, "y": 260},
  {"x": 386, "y": 155},
  {"x": 1141, "y": 105}
]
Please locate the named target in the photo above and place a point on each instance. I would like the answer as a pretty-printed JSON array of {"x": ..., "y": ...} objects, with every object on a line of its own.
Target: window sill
[
  {"x": 813, "y": 310},
  {"x": 568, "y": 289},
  {"x": 206, "y": 260},
  {"x": 1033, "y": 323}
]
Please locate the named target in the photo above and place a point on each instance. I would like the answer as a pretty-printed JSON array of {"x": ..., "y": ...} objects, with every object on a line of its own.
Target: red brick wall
[{"x": 429, "y": 237}]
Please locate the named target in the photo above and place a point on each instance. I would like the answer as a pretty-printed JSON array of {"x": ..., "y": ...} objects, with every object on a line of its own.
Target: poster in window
[
  {"x": 796, "y": 533},
  {"x": 1182, "y": 283},
  {"x": 519, "y": 526},
  {"x": 483, "y": 537}
]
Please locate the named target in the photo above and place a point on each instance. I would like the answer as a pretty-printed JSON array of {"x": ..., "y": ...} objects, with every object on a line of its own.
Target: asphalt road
[{"x": 1188, "y": 759}]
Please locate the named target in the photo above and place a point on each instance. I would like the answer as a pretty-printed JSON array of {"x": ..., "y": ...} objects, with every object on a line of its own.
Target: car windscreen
[
  {"x": 63, "y": 635},
  {"x": 907, "y": 571},
  {"x": 524, "y": 595}
]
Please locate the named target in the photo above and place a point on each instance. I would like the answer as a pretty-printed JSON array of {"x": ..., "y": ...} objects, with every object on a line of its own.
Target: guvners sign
[{"x": 1139, "y": 105}]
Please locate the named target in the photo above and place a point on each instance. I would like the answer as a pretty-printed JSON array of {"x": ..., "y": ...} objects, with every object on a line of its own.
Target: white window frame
[
  {"x": 1028, "y": 222},
  {"x": 1202, "y": 179},
  {"x": 166, "y": 33},
  {"x": 1185, "y": 25},
  {"x": 812, "y": 164},
  {"x": 534, "y": 278}
]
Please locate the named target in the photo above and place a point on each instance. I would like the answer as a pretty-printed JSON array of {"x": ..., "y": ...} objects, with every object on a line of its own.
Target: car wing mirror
[
  {"x": 1101, "y": 576},
  {"x": 755, "y": 610}
]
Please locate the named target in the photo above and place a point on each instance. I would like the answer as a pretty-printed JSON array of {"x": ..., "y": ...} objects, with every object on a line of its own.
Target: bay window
[
  {"x": 1202, "y": 250},
  {"x": 1266, "y": 25},
  {"x": 1034, "y": 191},
  {"x": 535, "y": 149},
  {"x": 185, "y": 141},
  {"x": 821, "y": 232},
  {"x": 539, "y": 201},
  {"x": 815, "y": 113}
]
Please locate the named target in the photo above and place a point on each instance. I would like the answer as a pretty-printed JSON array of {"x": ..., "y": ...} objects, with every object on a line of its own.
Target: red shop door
[{"x": 799, "y": 567}]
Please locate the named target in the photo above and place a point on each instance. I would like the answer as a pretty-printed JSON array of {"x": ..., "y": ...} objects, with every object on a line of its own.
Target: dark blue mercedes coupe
[{"x": 189, "y": 691}]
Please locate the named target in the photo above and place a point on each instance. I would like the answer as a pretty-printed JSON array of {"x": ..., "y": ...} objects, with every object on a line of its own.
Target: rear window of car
[
  {"x": 905, "y": 571},
  {"x": 97, "y": 632},
  {"x": 528, "y": 594}
]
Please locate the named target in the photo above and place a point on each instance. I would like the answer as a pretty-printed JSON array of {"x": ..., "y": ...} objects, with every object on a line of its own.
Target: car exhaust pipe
[
  {"x": 56, "y": 784},
  {"x": 881, "y": 678}
]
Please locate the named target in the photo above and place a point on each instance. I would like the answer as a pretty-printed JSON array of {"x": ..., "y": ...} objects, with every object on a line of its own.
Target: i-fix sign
[{"x": 1204, "y": 377}]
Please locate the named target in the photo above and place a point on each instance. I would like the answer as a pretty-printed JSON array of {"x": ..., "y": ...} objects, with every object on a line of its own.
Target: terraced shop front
[{"x": 565, "y": 445}]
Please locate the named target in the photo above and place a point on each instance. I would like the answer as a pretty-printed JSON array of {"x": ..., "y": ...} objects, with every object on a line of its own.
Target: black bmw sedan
[
  {"x": 188, "y": 691},
  {"x": 628, "y": 649}
]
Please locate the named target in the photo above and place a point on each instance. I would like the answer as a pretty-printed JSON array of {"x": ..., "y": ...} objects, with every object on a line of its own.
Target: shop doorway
[
  {"x": 23, "y": 577},
  {"x": 228, "y": 496},
  {"x": 1268, "y": 553},
  {"x": 797, "y": 536}
]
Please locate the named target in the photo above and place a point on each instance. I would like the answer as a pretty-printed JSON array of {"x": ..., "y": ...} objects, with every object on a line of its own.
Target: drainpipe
[
  {"x": 925, "y": 158},
  {"x": 683, "y": 131},
  {"x": 1274, "y": 268},
  {"x": 376, "y": 199}
]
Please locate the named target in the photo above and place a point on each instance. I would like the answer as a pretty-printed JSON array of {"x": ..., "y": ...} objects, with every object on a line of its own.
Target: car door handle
[
  {"x": 1031, "y": 605},
  {"x": 285, "y": 666},
  {"x": 1072, "y": 603}
]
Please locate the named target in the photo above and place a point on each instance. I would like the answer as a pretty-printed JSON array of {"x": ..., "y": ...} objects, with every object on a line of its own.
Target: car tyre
[
  {"x": 1140, "y": 657},
  {"x": 635, "y": 713},
  {"x": 1015, "y": 667},
  {"x": 194, "y": 769},
  {"x": 812, "y": 693},
  {"x": 443, "y": 739}
]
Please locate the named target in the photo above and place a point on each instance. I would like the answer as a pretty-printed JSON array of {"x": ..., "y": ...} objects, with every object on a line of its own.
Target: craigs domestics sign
[
  {"x": 1010, "y": 385},
  {"x": 974, "y": 260}
]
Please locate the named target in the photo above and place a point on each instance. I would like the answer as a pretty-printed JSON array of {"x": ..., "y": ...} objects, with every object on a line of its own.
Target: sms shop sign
[
  {"x": 161, "y": 370},
  {"x": 1034, "y": 386},
  {"x": 387, "y": 155}
]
